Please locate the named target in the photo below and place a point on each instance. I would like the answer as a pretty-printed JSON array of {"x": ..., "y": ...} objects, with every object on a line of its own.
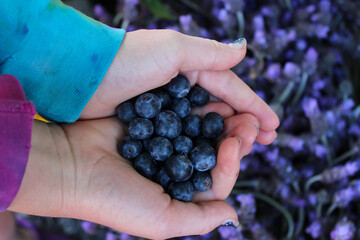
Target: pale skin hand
[
  {"x": 75, "y": 171},
  {"x": 150, "y": 58}
]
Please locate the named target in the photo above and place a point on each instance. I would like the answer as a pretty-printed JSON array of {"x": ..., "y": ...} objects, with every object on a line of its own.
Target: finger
[
  {"x": 266, "y": 138},
  {"x": 226, "y": 171},
  {"x": 185, "y": 219},
  {"x": 227, "y": 86},
  {"x": 219, "y": 107},
  {"x": 197, "y": 53}
]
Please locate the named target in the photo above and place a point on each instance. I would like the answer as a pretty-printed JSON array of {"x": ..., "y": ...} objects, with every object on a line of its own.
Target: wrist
[{"x": 43, "y": 186}]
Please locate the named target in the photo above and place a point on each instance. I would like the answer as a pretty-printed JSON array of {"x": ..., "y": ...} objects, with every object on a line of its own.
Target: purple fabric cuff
[{"x": 16, "y": 118}]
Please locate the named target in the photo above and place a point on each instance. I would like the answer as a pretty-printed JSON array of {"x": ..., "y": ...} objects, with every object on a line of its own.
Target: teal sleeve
[{"x": 59, "y": 55}]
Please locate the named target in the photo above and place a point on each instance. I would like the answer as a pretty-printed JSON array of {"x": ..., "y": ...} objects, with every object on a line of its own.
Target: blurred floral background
[{"x": 302, "y": 59}]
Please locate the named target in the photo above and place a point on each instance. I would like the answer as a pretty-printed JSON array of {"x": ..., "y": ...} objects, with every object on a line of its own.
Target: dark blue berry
[
  {"x": 201, "y": 181},
  {"x": 179, "y": 168},
  {"x": 141, "y": 128},
  {"x": 129, "y": 148},
  {"x": 160, "y": 148},
  {"x": 181, "y": 106},
  {"x": 203, "y": 140},
  {"x": 162, "y": 178},
  {"x": 145, "y": 165},
  {"x": 198, "y": 96},
  {"x": 145, "y": 143},
  {"x": 183, "y": 191},
  {"x": 192, "y": 125},
  {"x": 178, "y": 87},
  {"x": 182, "y": 144},
  {"x": 148, "y": 105},
  {"x": 163, "y": 95},
  {"x": 212, "y": 125},
  {"x": 203, "y": 157},
  {"x": 168, "y": 124},
  {"x": 126, "y": 111}
]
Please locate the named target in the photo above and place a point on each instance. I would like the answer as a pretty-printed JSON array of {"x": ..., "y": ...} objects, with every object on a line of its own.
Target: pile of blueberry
[{"x": 167, "y": 143}]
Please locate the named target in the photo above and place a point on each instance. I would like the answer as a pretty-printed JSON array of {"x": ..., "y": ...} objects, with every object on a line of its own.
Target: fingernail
[
  {"x": 237, "y": 138},
  {"x": 238, "y": 44},
  {"x": 231, "y": 223}
]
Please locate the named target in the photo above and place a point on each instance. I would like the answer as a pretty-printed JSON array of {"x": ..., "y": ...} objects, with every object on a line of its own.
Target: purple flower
[
  {"x": 110, "y": 236},
  {"x": 344, "y": 230},
  {"x": 258, "y": 22},
  {"x": 354, "y": 130},
  {"x": 228, "y": 232},
  {"x": 310, "y": 107},
  {"x": 344, "y": 196},
  {"x": 291, "y": 70},
  {"x": 247, "y": 207},
  {"x": 301, "y": 44},
  {"x": 273, "y": 72},
  {"x": 89, "y": 227},
  {"x": 320, "y": 151},
  {"x": 311, "y": 56},
  {"x": 314, "y": 229},
  {"x": 259, "y": 232},
  {"x": 185, "y": 21}
]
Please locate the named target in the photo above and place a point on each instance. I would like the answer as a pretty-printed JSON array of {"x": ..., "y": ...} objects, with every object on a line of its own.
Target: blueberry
[
  {"x": 141, "y": 128},
  {"x": 145, "y": 144},
  {"x": 148, "y": 105},
  {"x": 163, "y": 95},
  {"x": 168, "y": 124},
  {"x": 198, "y": 96},
  {"x": 203, "y": 157},
  {"x": 212, "y": 125},
  {"x": 203, "y": 140},
  {"x": 126, "y": 111},
  {"x": 160, "y": 148},
  {"x": 183, "y": 191},
  {"x": 145, "y": 165},
  {"x": 201, "y": 181},
  {"x": 181, "y": 106},
  {"x": 162, "y": 178},
  {"x": 178, "y": 87},
  {"x": 182, "y": 144},
  {"x": 192, "y": 125},
  {"x": 129, "y": 148},
  {"x": 179, "y": 168}
]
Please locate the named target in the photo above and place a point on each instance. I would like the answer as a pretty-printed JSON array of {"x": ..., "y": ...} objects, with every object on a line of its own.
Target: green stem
[
  {"x": 312, "y": 180},
  {"x": 331, "y": 209},
  {"x": 276, "y": 205},
  {"x": 346, "y": 155},
  {"x": 241, "y": 22},
  {"x": 301, "y": 88},
  {"x": 300, "y": 225},
  {"x": 329, "y": 158},
  {"x": 296, "y": 187},
  {"x": 318, "y": 210},
  {"x": 285, "y": 93}
]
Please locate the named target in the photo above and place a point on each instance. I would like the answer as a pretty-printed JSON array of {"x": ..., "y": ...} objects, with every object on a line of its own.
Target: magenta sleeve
[{"x": 16, "y": 118}]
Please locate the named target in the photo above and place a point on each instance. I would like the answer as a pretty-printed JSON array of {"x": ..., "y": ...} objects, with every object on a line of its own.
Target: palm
[{"x": 109, "y": 191}]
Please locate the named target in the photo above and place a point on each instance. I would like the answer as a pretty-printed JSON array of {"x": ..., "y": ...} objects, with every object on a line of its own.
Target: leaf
[{"x": 158, "y": 9}]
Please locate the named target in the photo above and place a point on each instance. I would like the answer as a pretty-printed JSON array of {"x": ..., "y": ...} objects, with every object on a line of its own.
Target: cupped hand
[
  {"x": 150, "y": 58},
  {"x": 75, "y": 171}
]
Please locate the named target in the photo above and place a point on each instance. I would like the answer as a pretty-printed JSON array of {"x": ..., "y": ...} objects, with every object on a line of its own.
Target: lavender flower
[
  {"x": 89, "y": 227},
  {"x": 344, "y": 230},
  {"x": 314, "y": 229},
  {"x": 340, "y": 172},
  {"x": 247, "y": 207}
]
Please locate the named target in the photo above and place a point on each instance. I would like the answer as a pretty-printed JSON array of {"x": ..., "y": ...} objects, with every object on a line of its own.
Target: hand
[
  {"x": 150, "y": 58},
  {"x": 75, "y": 171}
]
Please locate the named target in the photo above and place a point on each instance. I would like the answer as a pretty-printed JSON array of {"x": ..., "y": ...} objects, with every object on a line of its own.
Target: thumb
[
  {"x": 197, "y": 53},
  {"x": 185, "y": 219}
]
